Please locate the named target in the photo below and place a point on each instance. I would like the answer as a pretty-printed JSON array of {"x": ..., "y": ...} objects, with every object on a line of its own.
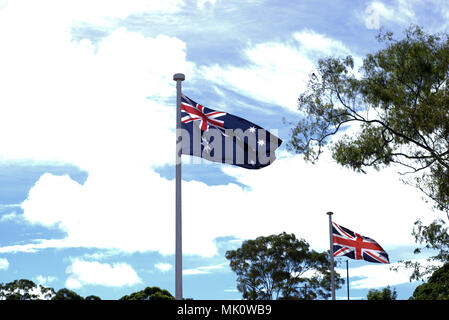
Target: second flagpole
[
  {"x": 178, "y": 77},
  {"x": 347, "y": 277},
  {"x": 331, "y": 253}
]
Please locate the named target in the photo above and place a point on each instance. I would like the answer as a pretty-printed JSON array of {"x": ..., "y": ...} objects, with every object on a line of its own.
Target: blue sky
[{"x": 87, "y": 140}]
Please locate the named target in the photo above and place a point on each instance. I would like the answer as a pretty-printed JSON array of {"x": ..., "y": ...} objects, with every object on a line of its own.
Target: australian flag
[
  {"x": 222, "y": 137},
  {"x": 354, "y": 246}
]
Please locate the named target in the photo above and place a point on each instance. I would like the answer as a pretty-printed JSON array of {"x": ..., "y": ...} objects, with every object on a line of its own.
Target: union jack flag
[
  {"x": 355, "y": 246},
  {"x": 222, "y": 137}
]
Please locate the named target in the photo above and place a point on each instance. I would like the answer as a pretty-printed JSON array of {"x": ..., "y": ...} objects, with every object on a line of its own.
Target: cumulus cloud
[
  {"x": 83, "y": 273},
  {"x": 69, "y": 102},
  {"x": 82, "y": 104},
  {"x": 104, "y": 108},
  {"x": 137, "y": 214},
  {"x": 277, "y": 71},
  {"x": 127, "y": 210}
]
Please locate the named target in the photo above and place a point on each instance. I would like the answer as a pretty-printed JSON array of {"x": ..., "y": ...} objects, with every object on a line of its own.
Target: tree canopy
[
  {"x": 393, "y": 110},
  {"x": 24, "y": 289},
  {"x": 436, "y": 288},
  {"x": 66, "y": 294},
  {"x": 27, "y": 290},
  {"x": 149, "y": 293},
  {"x": 281, "y": 267},
  {"x": 434, "y": 238},
  {"x": 397, "y": 103},
  {"x": 384, "y": 294}
]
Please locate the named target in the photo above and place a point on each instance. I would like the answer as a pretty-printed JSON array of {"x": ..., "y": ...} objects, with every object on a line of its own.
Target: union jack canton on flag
[
  {"x": 355, "y": 246},
  {"x": 222, "y": 137}
]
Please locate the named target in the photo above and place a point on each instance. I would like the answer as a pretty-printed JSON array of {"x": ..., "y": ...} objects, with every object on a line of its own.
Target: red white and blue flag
[
  {"x": 222, "y": 137},
  {"x": 355, "y": 246}
]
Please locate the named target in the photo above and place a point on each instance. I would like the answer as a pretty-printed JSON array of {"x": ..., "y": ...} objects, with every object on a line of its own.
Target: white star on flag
[{"x": 206, "y": 145}]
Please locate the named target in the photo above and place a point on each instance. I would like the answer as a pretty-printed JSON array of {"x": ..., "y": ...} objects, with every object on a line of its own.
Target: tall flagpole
[
  {"x": 178, "y": 77},
  {"x": 331, "y": 252}
]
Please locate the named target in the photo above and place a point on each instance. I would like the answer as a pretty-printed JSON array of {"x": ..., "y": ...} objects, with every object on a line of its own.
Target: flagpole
[
  {"x": 347, "y": 277},
  {"x": 331, "y": 252},
  {"x": 178, "y": 77}
]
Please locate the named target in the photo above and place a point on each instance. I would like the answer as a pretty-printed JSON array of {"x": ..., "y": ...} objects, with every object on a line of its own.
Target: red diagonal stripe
[
  {"x": 376, "y": 257},
  {"x": 204, "y": 117},
  {"x": 198, "y": 113},
  {"x": 217, "y": 123},
  {"x": 336, "y": 253}
]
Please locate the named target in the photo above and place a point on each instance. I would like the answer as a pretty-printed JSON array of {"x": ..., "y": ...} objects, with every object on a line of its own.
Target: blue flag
[{"x": 222, "y": 137}]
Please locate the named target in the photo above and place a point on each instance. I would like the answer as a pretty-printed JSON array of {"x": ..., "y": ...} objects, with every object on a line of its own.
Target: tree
[
  {"x": 437, "y": 287},
  {"x": 66, "y": 294},
  {"x": 280, "y": 267},
  {"x": 398, "y": 103},
  {"x": 149, "y": 293},
  {"x": 434, "y": 237},
  {"x": 25, "y": 290},
  {"x": 384, "y": 294}
]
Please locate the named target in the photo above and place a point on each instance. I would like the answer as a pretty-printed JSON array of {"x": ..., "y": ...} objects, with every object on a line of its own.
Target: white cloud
[
  {"x": 377, "y": 14},
  {"x": 101, "y": 255},
  {"x": 66, "y": 102},
  {"x": 163, "y": 267},
  {"x": 83, "y": 273},
  {"x": 379, "y": 275},
  {"x": 4, "y": 264},
  {"x": 204, "y": 269},
  {"x": 289, "y": 195},
  {"x": 12, "y": 216},
  {"x": 88, "y": 11},
  {"x": 128, "y": 210},
  {"x": 70, "y": 102},
  {"x": 315, "y": 42},
  {"x": 37, "y": 245},
  {"x": 45, "y": 281},
  {"x": 299, "y": 201},
  {"x": 97, "y": 108},
  {"x": 277, "y": 72}
]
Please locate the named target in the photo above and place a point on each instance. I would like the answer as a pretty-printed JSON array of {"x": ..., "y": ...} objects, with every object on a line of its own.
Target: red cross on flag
[{"x": 205, "y": 119}]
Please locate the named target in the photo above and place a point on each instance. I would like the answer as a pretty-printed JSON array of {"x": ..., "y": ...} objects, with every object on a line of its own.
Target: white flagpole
[
  {"x": 178, "y": 77},
  {"x": 331, "y": 254}
]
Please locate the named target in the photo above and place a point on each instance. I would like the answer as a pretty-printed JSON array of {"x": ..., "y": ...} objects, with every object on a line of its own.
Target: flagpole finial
[
  {"x": 179, "y": 77},
  {"x": 329, "y": 213}
]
